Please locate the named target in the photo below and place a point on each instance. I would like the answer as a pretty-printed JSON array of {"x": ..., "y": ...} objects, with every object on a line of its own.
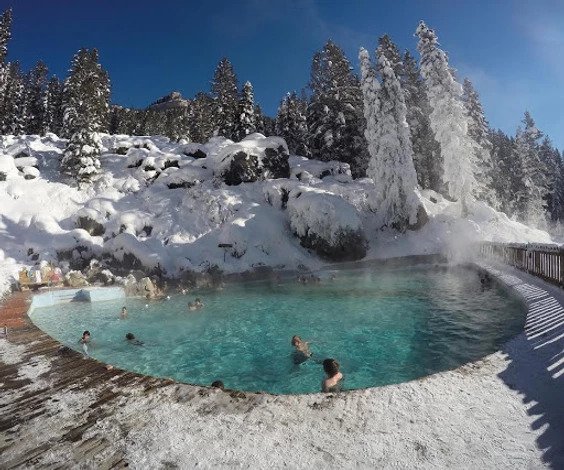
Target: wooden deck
[{"x": 24, "y": 403}]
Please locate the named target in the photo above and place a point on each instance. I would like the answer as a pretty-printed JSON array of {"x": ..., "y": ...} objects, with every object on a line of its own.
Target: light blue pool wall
[{"x": 95, "y": 294}]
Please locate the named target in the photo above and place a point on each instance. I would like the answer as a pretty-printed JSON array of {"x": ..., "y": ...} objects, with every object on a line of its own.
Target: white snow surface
[{"x": 180, "y": 229}]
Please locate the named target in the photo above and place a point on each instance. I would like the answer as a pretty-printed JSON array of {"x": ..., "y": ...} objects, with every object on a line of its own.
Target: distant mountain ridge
[{"x": 173, "y": 100}]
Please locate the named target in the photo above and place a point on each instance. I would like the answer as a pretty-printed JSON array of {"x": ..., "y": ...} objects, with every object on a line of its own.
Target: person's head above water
[
  {"x": 129, "y": 336},
  {"x": 218, "y": 384},
  {"x": 331, "y": 367},
  {"x": 296, "y": 340},
  {"x": 86, "y": 334},
  {"x": 124, "y": 309}
]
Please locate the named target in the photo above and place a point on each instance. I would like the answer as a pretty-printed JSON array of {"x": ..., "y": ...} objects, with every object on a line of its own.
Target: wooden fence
[{"x": 542, "y": 260}]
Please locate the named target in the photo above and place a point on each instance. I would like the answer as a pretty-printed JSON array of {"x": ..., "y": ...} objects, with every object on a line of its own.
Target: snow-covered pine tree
[
  {"x": 426, "y": 150},
  {"x": 203, "y": 122},
  {"x": 550, "y": 156},
  {"x": 5, "y": 35},
  {"x": 448, "y": 118},
  {"x": 391, "y": 157},
  {"x": 291, "y": 123},
  {"x": 506, "y": 180},
  {"x": 177, "y": 123},
  {"x": 531, "y": 199},
  {"x": 53, "y": 119},
  {"x": 392, "y": 53},
  {"x": 269, "y": 126},
  {"x": 225, "y": 92},
  {"x": 335, "y": 112},
  {"x": 246, "y": 120},
  {"x": 259, "y": 118},
  {"x": 479, "y": 132},
  {"x": 85, "y": 113},
  {"x": 36, "y": 86},
  {"x": 13, "y": 112}
]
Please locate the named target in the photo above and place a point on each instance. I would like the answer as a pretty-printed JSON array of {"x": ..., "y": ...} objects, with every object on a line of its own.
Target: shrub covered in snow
[
  {"x": 254, "y": 158},
  {"x": 326, "y": 223},
  {"x": 301, "y": 168}
]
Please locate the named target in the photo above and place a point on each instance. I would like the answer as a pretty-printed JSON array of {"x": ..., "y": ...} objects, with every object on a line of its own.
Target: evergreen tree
[
  {"x": 5, "y": 35},
  {"x": 53, "y": 119},
  {"x": 506, "y": 180},
  {"x": 13, "y": 113},
  {"x": 335, "y": 113},
  {"x": 550, "y": 157},
  {"x": 177, "y": 124},
  {"x": 85, "y": 113},
  {"x": 391, "y": 52},
  {"x": 391, "y": 163},
  {"x": 35, "y": 99},
  {"x": 478, "y": 130},
  {"x": 225, "y": 92},
  {"x": 531, "y": 199},
  {"x": 291, "y": 124},
  {"x": 426, "y": 150},
  {"x": 448, "y": 118},
  {"x": 269, "y": 126},
  {"x": 246, "y": 122},
  {"x": 203, "y": 122},
  {"x": 259, "y": 118}
]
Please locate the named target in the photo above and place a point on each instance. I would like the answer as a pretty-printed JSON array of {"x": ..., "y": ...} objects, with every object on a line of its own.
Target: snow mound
[{"x": 327, "y": 223}]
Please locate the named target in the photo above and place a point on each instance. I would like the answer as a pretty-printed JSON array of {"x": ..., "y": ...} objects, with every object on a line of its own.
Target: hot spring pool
[{"x": 383, "y": 325}]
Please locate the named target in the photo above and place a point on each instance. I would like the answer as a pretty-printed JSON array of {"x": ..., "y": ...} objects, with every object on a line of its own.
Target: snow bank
[{"x": 156, "y": 203}]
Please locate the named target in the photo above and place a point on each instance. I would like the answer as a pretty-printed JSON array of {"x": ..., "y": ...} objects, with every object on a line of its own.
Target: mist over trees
[{"x": 407, "y": 123}]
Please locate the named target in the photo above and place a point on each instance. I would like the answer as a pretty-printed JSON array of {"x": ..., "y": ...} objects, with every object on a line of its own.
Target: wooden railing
[{"x": 542, "y": 260}]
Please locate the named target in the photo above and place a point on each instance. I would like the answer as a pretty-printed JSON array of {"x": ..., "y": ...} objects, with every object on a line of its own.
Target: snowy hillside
[{"x": 159, "y": 203}]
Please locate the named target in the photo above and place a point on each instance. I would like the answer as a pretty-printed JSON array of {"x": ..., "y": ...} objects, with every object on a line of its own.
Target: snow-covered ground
[{"x": 167, "y": 205}]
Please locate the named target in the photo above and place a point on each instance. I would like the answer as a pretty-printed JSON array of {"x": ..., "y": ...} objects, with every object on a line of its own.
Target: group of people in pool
[
  {"x": 334, "y": 377},
  {"x": 86, "y": 338},
  {"x": 331, "y": 383}
]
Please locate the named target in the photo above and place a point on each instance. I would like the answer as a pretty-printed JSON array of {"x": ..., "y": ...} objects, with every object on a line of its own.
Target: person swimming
[
  {"x": 332, "y": 383},
  {"x": 196, "y": 305},
  {"x": 131, "y": 339},
  {"x": 302, "y": 352},
  {"x": 123, "y": 313},
  {"x": 84, "y": 341},
  {"x": 218, "y": 384}
]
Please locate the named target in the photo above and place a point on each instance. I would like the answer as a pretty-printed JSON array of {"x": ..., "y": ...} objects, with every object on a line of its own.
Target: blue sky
[{"x": 511, "y": 50}]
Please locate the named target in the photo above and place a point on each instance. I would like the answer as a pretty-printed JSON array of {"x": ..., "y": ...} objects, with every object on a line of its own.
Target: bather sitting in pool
[
  {"x": 131, "y": 339},
  {"x": 486, "y": 281},
  {"x": 123, "y": 313},
  {"x": 196, "y": 305},
  {"x": 302, "y": 352},
  {"x": 218, "y": 384},
  {"x": 332, "y": 383},
  {"x": 85, "y": 340}
]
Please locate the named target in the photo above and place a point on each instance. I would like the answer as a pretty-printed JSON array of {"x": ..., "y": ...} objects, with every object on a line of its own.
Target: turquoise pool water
[{"x": 383, "y": 325}]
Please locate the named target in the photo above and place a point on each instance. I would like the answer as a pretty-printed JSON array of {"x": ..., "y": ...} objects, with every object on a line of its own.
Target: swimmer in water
[
  {"x": 332, "y": 382},
  {"x": 131, "y": 339},
  {"x": 302, "y": 352},
  {"x": 123, "y": 313},
  {"x": 84, "y": 341},
  {"x": 218, "y": 384},
  {"x": 196, "y": 305}
]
